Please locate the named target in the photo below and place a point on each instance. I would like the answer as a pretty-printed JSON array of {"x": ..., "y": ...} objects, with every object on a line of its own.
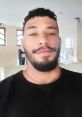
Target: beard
[{"x": 46, "y": 65}]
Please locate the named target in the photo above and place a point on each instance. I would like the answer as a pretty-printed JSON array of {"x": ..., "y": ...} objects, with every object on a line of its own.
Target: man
[{"x": 43, "y": 89}]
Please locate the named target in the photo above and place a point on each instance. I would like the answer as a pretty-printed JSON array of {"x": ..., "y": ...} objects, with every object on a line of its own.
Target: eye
[
  {"x": 33, "y": 34},
  {"x": 52, "y": 33}
]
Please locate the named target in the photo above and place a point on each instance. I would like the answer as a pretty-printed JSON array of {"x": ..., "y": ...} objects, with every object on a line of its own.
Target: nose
[{"x": 43, "y": 39}]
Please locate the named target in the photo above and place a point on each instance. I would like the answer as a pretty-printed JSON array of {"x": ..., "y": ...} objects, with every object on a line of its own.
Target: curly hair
[{"x": 39, "y": 12}]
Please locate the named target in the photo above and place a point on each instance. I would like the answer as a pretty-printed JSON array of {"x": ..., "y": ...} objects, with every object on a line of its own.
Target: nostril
[
  {"x": 43, "y": 43},
  {"x": 43, "y": 39},
  {"x": 40, "y": 43}
]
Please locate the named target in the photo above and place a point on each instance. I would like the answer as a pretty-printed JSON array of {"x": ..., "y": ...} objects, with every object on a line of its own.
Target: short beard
[{"x": 45, "y": 66}]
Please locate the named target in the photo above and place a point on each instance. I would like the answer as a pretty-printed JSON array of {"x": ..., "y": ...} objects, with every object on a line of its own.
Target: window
[
  {"x": 69, "y": 42},
  {"x": 21, "y": 57},
  {"x": 2, "y": 36},
  {"x": 19, "y": 36}
]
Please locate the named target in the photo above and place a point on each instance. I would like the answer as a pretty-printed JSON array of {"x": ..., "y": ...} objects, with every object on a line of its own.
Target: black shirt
[{"x": 21, "y": 98}]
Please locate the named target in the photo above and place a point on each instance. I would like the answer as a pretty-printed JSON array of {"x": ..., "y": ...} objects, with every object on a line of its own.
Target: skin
[{"x": 39, "y": 34}]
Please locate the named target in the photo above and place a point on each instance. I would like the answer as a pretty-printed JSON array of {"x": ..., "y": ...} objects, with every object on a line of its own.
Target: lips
[{"x": 44, "y": 51}]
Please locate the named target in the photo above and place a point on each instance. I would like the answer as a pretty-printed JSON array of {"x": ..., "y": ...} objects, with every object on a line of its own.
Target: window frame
[
  {"x": 4, "y": 36},
  {"x": 17, "y": 35}
]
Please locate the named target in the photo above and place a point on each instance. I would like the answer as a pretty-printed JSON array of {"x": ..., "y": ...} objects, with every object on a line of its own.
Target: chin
[{"x": 45, "y": 65}]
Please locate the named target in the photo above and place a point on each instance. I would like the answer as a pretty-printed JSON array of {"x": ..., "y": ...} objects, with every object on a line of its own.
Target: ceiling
[{"x": 12, "y": 12}]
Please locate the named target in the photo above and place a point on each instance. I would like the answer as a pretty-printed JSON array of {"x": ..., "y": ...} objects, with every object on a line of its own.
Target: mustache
[{"x": 50, "y": 48}]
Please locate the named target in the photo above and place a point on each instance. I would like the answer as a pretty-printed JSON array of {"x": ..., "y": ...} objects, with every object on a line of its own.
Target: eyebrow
[
  {"x": 31, "y": 27},
  {"x": 48, "y": 27},
  {"x": 52, "y": 27}
]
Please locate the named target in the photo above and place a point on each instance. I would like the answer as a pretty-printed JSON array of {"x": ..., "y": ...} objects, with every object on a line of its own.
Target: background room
[{"x": 12, "y": 13}]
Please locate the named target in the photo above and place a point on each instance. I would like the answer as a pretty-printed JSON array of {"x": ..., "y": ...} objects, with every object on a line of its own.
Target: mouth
[{"x": 44, "y": 52}]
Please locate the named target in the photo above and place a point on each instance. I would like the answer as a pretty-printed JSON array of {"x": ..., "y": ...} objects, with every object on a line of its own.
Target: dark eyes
[
  {"x": 51, "y": 33},
  {"x": 33, "y": 34},
  {"x": 48, "y": 33}
]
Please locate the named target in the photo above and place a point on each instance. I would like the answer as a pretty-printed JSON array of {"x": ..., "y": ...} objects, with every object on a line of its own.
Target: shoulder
[
  {"x": 72, "y": 77},
  {"x": 71, "y": 73},
  {"x": 8, "y": 80},
  {"x": 7, "y": 83},
  {"x": 6, "y": 87}
]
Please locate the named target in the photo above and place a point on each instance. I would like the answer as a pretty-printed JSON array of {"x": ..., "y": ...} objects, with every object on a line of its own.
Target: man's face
[{"x": 41, "y": 43}]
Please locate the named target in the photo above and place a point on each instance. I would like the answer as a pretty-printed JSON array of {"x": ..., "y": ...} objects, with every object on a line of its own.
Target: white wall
[
  {"x": 77, "y": 67},
  {"x": 2, "y": 70},
  {"x": 73, "y": 30},
  {"x": 8, "y": 53},
  {"x": 79, "y": 40}
]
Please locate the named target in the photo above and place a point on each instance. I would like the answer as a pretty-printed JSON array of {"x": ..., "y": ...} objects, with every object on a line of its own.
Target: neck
[{"x": 37, "y": 77}]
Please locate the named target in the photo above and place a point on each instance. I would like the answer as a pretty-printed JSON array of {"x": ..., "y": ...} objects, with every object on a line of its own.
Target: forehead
[{"x": 39, "y": 21}]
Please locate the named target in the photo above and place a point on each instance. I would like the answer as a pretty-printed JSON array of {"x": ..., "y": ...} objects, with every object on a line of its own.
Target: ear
[{"x": 59, "y": 42}]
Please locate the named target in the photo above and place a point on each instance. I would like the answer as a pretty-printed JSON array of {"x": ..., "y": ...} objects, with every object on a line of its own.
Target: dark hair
[{"x": 39, "y": 12}]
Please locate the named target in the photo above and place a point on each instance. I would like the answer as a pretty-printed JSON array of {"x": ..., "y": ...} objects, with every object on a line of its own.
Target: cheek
[
  {"x": 55, "y": 43},
  {"x": 28, "y": 46}
]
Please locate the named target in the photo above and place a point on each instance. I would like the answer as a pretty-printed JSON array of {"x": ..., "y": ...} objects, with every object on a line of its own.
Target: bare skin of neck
[{"x": 37, "y": 77}]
